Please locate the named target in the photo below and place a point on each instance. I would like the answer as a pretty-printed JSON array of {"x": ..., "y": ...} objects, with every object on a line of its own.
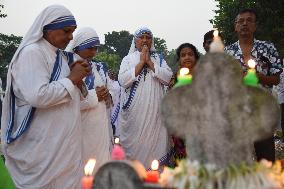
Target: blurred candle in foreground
[
  {"x": 153, "y": 175},
  {"x": 217, "y": 44},
  {"x": 87, "y": 180},
  {"x": 117, "y": 151},
  {"x": 251, "y": 79},
  {"x": 184, "y": 78}
]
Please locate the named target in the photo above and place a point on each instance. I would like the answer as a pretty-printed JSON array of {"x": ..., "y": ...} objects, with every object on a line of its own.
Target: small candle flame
[
  {"x": 251, "y": 63},
  {"x": 183, "y": 71},
  {"x": 116, "y": 140},
  {"x": 215, "y": 33},
  {"x": 155, "y": 165},
  {"x": 89, "y": 167}
]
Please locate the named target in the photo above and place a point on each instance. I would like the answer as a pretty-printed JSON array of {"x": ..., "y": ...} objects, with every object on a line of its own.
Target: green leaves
[
  {"x": 8, "y": 46},
  {"x": 118, "y": 42},
  {"x": 111, "y": 59},
  {"x": 2, "y": 15}
]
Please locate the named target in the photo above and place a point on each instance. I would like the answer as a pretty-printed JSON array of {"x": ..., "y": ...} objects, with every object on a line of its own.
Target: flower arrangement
[{"x": 193, "y": 175}]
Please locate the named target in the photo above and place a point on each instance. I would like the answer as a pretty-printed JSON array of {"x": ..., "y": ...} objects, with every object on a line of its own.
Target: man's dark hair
[
  {"x": 208, "y": 35},
  {"x": 184, "y": 45},
  {"x": 245, "y": 11}
]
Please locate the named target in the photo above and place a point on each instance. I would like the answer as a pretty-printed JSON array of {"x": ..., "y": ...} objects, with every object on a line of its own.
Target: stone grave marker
[{"x": 217, "y": 114}]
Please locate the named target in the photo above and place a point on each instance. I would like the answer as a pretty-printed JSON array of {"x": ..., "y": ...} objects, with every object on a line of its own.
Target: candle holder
[
  {"x": 117, "y": 151},
  {"x": 251, "y": 79},
  {"x": 184, "y": 78}
]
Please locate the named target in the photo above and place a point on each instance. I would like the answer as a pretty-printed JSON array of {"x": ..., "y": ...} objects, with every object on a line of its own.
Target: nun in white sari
[
  {"x": 41, "y": 122},
  {"x": 142, "y": 76},
  {"x": 96, "y": 129}
]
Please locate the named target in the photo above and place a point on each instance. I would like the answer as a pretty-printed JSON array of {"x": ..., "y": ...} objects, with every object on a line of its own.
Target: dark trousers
[
  {"x": 265, "y": 149},
  {"x": 282, "y": 120}
]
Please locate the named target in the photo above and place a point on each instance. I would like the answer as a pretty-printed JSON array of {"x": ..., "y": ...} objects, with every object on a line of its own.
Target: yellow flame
[
  {"x": 215, "y": 33},
  {"x": 155, "y": 165},
  {"x": 251, "y": 63},
  {"x": 116, "y": 140},
  {"x": 89, "y": 167},
  {"x": 183, "y": 71}
]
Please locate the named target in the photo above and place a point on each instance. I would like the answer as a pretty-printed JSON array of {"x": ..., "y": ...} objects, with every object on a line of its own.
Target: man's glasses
[{"x": 242, "y": 21}]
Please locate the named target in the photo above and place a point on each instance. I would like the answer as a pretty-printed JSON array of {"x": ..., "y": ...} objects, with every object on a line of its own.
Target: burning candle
[
  {"x": 117, "y": 151},
  {"x": 153, "y": 175},
  {"x": 217, "y": 44},
  {"x": 116, "y": 140},
  {"x": 184, "y": 78},
  {"x": 251, "y": 79},
  {"x": 87, "y": 180}
]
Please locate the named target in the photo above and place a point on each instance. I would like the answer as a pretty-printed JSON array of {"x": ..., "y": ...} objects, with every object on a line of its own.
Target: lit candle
[
  {"x": 251, "y": 79},
  {"x": 87, "y": 180},
  {"x": 153, "y": 175},
  {"x": 116, "y": 140},
  {"x": 217, "y": 44},
  {"x": 117, "y": 151},
  {"x": 184, "y": 78}
]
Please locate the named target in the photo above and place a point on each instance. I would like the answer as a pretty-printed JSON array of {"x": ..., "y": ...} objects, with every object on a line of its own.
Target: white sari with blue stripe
[
  {"x": 141, "y": 131},
  {"x": 97, "y": 131},
  {"x": 49, "y": 152}
]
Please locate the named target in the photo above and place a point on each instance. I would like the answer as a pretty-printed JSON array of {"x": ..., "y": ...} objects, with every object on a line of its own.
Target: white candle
[
  {"x": 155, "y": 165},
  {"x": 116, "y": 140},
  {"x": 251, "y": 63},
  {"x": 217, "y": 44}
]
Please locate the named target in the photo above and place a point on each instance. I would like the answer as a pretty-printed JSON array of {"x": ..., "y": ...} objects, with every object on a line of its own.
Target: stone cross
[{"x": 217, "y": 114}]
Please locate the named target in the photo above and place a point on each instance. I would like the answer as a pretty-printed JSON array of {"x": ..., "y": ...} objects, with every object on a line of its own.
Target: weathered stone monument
[
  {"x": 220, "y": 118},
  {"x": 218, "y": 115}
]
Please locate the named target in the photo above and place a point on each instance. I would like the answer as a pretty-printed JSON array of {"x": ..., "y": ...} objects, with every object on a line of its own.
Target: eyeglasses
[{"x": 242, "y": 21}]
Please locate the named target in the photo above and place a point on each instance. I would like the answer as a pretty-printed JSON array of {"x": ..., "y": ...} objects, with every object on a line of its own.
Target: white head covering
[
  {"x": 84, "y": 38},
  {"x": 137, "y": 34},
  {"x": 49, "y": 15},
  {"x": 53, "y": 17}
]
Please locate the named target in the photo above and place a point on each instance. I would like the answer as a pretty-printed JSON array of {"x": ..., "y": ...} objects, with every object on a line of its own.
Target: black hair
[
  {"x": 208, "y": 35},
  {"x": 245, "y": 11},
  {"x": 184, "y": 45}
]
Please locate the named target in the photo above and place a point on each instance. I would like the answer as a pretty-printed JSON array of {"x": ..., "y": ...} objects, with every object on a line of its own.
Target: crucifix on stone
[{"x": 217, "y": 115}]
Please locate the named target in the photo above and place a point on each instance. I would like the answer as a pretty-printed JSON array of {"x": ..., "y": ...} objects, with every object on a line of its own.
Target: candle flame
[
  {"x": 183, "y": 71},
  {"x": 116, "y": 140},
  {"x": 215, "y": 33},
  {"x": 155, "y": 165},
  {"x": 89, "y": 167},
  {"x": 251, "y": 63}
]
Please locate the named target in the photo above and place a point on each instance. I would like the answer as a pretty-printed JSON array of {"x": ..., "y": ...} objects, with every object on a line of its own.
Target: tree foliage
[
  {"x": 171, "y": 60},
  {"x": 118, "y": 42},
  {"x": 2, "y": 15},
  {"x": 160, "y": 45},
  {"x": 8, "y": 46},
  {"x": 112, "y": 60},
  {"x": 270, "y": 25}
]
